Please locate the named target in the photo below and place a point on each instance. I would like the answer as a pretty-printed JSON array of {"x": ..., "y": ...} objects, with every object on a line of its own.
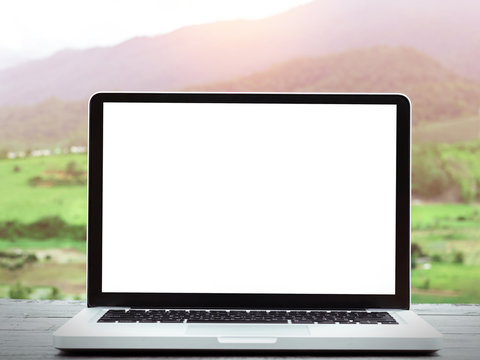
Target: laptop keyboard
[{"x": 252, "y": 316}]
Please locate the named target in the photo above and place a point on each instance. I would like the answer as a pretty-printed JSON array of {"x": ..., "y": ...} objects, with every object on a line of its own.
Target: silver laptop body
[{"x": 248, "y": 222}]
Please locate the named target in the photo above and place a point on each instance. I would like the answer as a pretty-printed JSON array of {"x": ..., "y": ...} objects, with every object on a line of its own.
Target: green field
[
  {"x": 59, "y": 271},
  {"x": 25, "y": 203},
  {"x": 446, "y": 283},
  {"x": 448, "y": 236},
  {"x": 435, "y": 216},
  {"x": 444, "y": 230},
  {"x": 53, "y": 243}
]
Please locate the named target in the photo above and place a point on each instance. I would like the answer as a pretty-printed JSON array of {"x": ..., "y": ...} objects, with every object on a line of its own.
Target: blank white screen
[{"x": 249, "y": 198}]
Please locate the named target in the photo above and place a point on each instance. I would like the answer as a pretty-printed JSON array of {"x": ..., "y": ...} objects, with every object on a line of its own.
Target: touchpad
[{"x": 247, "y": 330}]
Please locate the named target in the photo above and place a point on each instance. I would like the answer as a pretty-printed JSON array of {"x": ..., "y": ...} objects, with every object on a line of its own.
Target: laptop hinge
[{"x": 227, "y": 308}]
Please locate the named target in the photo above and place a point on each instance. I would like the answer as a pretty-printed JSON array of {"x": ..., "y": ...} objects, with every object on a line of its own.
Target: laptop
[{"x": 248, "y": 221}]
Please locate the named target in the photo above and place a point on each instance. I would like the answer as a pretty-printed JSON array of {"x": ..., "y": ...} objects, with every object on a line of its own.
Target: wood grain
[{"x": 26, "y": 328}]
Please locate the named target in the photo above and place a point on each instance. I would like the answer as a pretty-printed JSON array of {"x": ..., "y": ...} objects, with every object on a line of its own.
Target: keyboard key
[{"x": 243, "y": 316}]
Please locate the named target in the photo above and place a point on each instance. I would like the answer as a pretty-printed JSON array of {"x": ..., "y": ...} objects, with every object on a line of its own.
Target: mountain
[
  {"x": 442, "y": 29},
  {"x": 442, "y": 100},
  {"x": 437, "y": 94},
  {"x": 10, "y": 57}
]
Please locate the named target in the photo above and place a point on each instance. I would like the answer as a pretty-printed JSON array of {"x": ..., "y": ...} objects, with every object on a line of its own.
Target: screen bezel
[{"x": 401, "y": 298}]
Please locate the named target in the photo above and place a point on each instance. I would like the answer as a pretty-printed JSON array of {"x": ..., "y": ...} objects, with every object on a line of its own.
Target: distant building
[
  {"x": 78, "y": 149},
  {"x": 41, "y": 152},
  {"x": 15, "y": 155}
]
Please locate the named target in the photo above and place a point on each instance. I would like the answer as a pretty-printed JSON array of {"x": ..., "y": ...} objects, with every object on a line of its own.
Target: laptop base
[{"x": 84, "y": 333}]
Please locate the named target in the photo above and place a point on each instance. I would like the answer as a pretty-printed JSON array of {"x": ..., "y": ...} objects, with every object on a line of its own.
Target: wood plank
[
  {"x": 26, "y": 328},
  {"x": 31, "y": 324},
  {"x": 447, "y": 309},
  {"x": 455, "y": 324},
  {"x": 463, "y": 341},
  {"x": 39, "y": 308},
  {"x": 25, "y": 343},
  {"x": 458, "y": 354}
]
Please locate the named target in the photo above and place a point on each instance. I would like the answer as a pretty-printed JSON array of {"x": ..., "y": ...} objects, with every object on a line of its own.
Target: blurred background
[{"x": 54, "y": 54}]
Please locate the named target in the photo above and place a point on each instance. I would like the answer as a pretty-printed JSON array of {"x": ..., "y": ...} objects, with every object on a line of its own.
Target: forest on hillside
[
  {"x": 49, "y": 124},
  {"x": 446, "y": 172},
  {"x": 437, "y": 94}
]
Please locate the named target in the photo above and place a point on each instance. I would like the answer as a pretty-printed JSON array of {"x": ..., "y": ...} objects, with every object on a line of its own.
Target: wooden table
[{"x": 26, "y": 328}]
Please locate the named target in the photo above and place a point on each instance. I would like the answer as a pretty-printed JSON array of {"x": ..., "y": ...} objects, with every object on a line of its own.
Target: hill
[
  {"x": 50, "y": 123},
  {"x": 437, "y": 94},
  {"x": 448, "y": 132},
  {"x": 445, "y": 105},
  {"x": 442, "y": 29}
]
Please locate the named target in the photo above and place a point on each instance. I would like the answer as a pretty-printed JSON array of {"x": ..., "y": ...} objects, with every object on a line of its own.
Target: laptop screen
[{"x": 248, "y": 198}]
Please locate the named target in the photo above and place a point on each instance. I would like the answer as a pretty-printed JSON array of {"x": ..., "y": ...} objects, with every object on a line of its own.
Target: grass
[
  {"x": 67, "y": 277},
  {"x": 36, "y": 244},
  {"x": 60, "y": 271},
  {"x": 38, "y": 292},
  {"x": 446, "y": 283},
  {"x": 437, "y": 216},
  {"x": 444, "y": 231},
  {"x": 27, "y": 204},
  {"x": 426, "y": 298}
]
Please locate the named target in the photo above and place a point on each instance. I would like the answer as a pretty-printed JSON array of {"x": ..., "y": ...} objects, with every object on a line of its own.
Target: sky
[{"x": 38, "y": 28}]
